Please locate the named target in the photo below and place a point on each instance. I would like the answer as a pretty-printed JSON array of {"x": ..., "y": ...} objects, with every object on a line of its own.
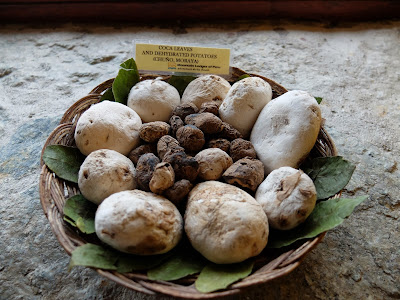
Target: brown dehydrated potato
[
  {"x": 153, "y": 131},
  {"x": 210, "y": 107},
  {"x": 135, "y": 154},
  {"x": 176, "y": 123},
  {"x": 184, "y": 110},
  {"x": 167, "y": 143},
  {"x": 241, "y": 148},
  {"x": 191, "y": 138},
  {"x": 178, "y": 192},
  {"x": 206, "y": 122},
  {"x": 247, "y": 173},
  {"x": 222, "y": 144},
  {"x": 144, "y": 170},
  {"x": 185, "y": 167},
  {"x": 229, "y": 132}
]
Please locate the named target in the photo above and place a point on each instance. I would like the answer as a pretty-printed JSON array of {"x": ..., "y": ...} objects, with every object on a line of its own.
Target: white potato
[
  {"x": 286, "y": 130},
  {"x": 206, "y": 88},
  {"x": 224, "y": 223},
  {"x": 288, "y": 197},
  {"x": 108, "y": 125},
  {"x": 105, "y": 172},
  {"x": 244, "y": 102},
  {"x": 153, "y": 100},
  {"x": 139, "y": 222},
  {"x": 213, "y": 162}
]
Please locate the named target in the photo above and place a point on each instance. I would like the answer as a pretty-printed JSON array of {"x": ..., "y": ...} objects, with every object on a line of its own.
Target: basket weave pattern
[{"x": 54, "y": 192}]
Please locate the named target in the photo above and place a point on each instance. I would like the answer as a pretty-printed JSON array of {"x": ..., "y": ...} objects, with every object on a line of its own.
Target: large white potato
[
  {"x": 286, "y": 130},
  {"x": 153, "y": 100},
  {"x": 224, "y": 223},
  {"x": 108, "y": 125},
  {"x": 206, "y": 88},
  {"x": 139, "y": 222},
  {"x": 244, "y": 102}
]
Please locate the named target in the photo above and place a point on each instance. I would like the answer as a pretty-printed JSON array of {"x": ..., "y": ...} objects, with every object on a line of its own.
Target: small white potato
[
  {"x": 163, "y": 178},
  {"x": 153, "y": 100},
  {"x": 139, "y": 222},
  {"x": 108, "y": 125},
  {"x": 224, "y": 223},
  {"x": 244, "y": 102},
  {"x": 213, "y": 162},
  {"x": 206, "y": 88},
  {"x": 286, "y": 130},
  {"x": 288, "y": 197},
  {"x": 105, "y": 172}
]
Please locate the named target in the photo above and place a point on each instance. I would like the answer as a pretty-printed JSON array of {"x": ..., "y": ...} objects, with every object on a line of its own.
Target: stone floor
[{"x": 354, "y": 68}]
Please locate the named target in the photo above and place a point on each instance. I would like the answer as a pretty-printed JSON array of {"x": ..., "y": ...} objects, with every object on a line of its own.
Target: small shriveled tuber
[
  {"x": 191, "y": 138},
  {"x": 206, "y": 122},
  {"x": 178, "y": 192},
  {"x": 176, "y": 123},
  {"x": 167, "y": 143},
  {"x": 163, "y": 178},
  {"x": 222, "y": 144},
  {"x": 184, "y": 110},
  {"x": 144, "y": 170},
  {"x": 185, "y": 167},
  {"x": 246, "y": 173},
  {"x": 241, "y": 148},
  {"x": 135, "y": 154},
  {"x": 153, "y": 131},
  {"x": 228, "y": 132},
  {"x": 210, "y": 107}
]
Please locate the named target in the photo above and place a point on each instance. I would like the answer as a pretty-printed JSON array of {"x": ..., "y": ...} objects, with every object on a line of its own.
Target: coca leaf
[
  {"x": 129, "y": 262},
  {"x": 127, "y": 77},
  {"x": 63, "y": 161},
  {"x": 81, "y": 212},
  {"x": 330, "y": 174},
  {"x": 216, "y": 277},
  {"x": 180, "y": 82},
  {"x": 178, "y": 266},
  {"x": 108, "y": 95},
  {"x": 325, "y": 216},
  {"x": 90, "y": 255}
]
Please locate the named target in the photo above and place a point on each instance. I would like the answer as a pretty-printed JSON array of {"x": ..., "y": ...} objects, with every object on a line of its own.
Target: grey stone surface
[{"x": 355, "y": 68}]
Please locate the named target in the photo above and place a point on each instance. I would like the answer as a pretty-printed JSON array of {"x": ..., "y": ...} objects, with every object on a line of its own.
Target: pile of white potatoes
[{"x": 223, "y": 222}]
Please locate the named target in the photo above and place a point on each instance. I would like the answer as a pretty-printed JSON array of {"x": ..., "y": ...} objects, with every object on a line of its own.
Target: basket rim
[{"x": 53, "y": 191}]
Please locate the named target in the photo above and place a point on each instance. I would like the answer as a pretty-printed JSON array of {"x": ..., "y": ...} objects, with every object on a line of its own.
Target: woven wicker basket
[{"x": 270, "y": 264}]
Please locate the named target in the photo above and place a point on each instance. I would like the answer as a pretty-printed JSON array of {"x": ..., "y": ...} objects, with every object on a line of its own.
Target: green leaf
[
  {"x": 108, "y": 95},
  {"x": 127, "y": 77},
  {"x": 242, "y": 77},
  {"x": 129, "y": 262},
  {"x": 90, "y": 255},
  {"x": 325, "y": 216},
  {"x": 330, "y": 174},
  {"x": 178, "y": 266},
  {"x": 63, "y": 161},
  {"x": 180, "y": 82},
  {"x": 215, "y": 277},
  {"x": 68, "y": 220},
  {"x": 319, "y": 99},
  {"x": 81, "y": 212}
]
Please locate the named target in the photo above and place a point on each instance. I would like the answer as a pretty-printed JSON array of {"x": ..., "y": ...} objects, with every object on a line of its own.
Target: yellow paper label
[{"x": 167, "y": 58}]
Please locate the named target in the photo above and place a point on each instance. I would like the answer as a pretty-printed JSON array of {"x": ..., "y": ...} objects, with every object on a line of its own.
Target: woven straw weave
[{"x": 270, "y": 264}]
